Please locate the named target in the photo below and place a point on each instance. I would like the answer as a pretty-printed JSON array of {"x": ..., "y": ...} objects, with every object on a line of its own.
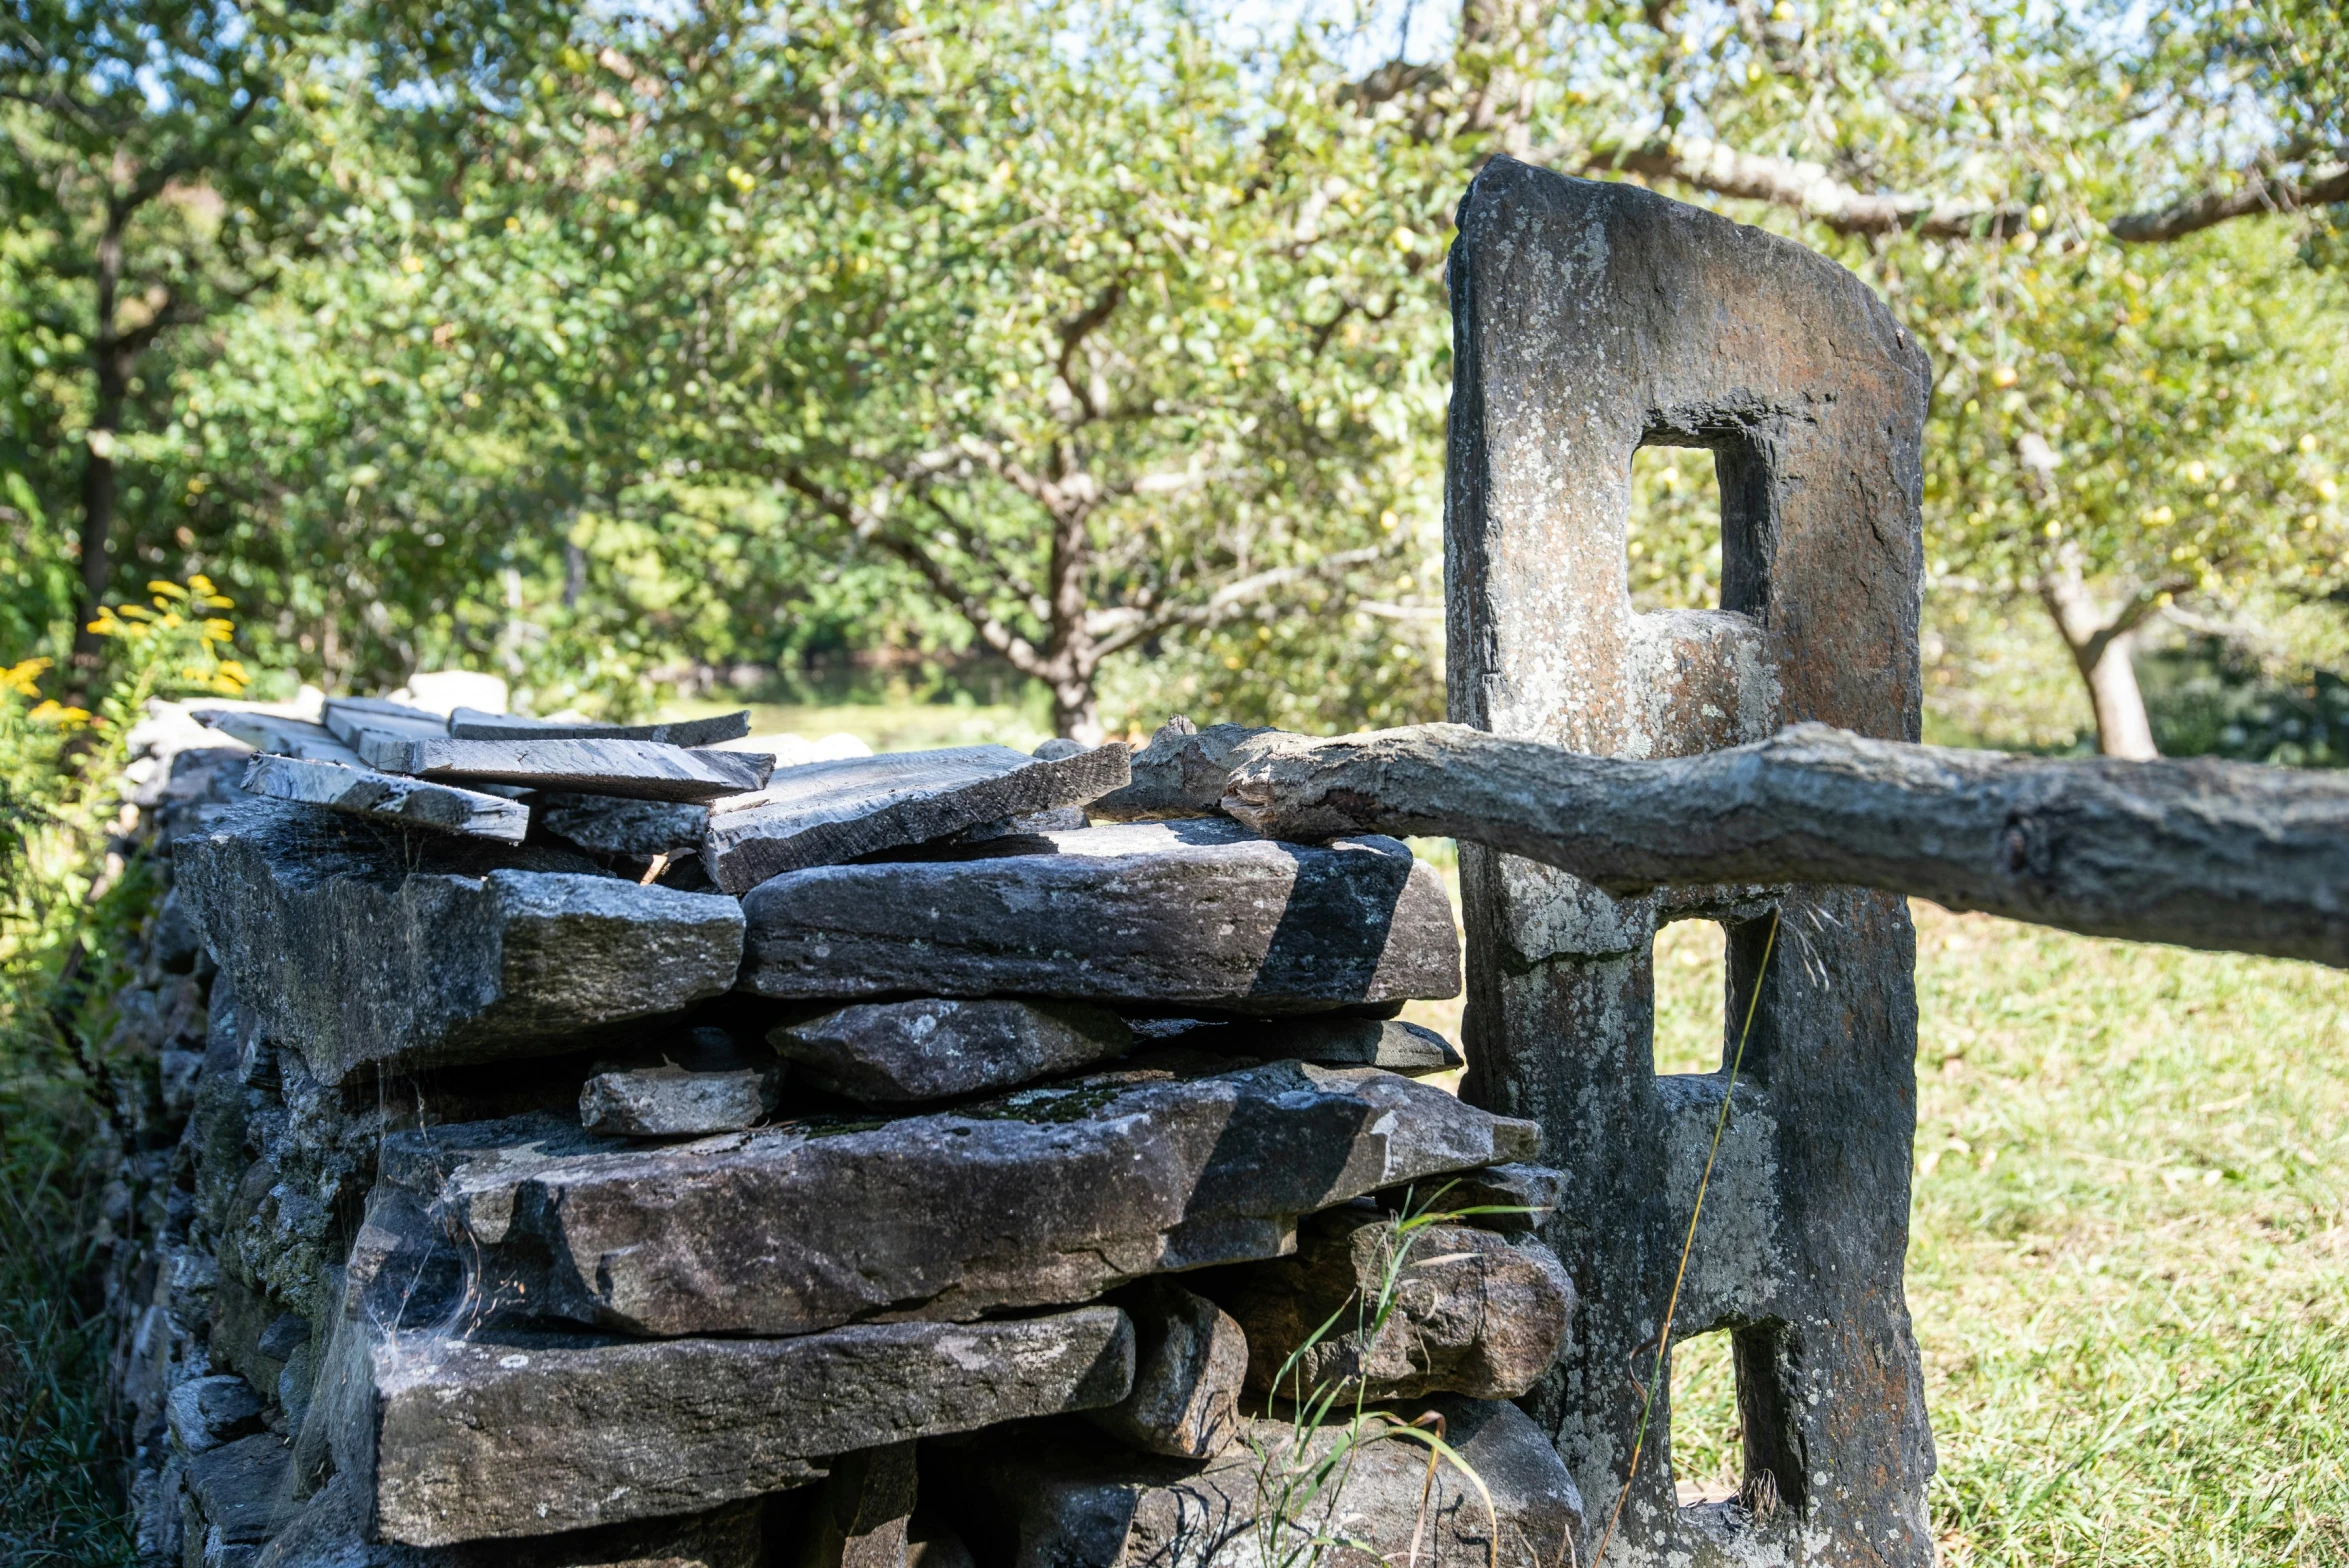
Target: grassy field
[{"x": 2129, "y": 1260}]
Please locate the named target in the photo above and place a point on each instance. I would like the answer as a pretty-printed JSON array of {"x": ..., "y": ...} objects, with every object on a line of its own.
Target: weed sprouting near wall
[{"x": 1301, "y": 1518}]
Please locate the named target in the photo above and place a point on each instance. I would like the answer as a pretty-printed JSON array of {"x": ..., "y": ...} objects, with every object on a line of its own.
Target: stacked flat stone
[{"x": 601, "y": 1147}]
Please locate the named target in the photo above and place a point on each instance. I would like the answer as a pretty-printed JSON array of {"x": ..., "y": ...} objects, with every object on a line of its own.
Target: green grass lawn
[{"x": 2129, "y": 1259}]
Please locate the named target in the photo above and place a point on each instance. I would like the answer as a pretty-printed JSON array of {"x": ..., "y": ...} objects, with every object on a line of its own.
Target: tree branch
[
  {"x": 1219, "y": 605},
  {"x": 1073, "y": 333},
  {"x": 2222, "y": 855},
  {"x": 865, "y": 524},
  {"x": 1806, "y": 187},
  {"x": 1810, "y": 189},
  {"x": 978, "y": 549},
  {"x": 2260, "y": 193}
]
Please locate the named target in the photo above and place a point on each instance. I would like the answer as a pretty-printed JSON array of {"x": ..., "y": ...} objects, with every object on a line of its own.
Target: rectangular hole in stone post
[
  {"x": 1708, "y": 1453},
  {"x": 1772, "y": 1447},
  {"x": 1674, "y": 540},
  {"x": 1691, "y": 989}
]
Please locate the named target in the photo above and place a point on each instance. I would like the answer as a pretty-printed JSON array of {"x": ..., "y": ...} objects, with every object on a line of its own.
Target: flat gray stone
[
  {"x": 938, "y": 1048},
  {"x": 1411, "y": 1049},
  {"x": 277, "y": 734},
  {"x": 357, "y": 944},
  {"x": 1190, "y": 1362},
  {"x": 205, "y": 1412},
  {"x": 413, "y": 803},
  {"x": 670, "y": 1101},
  {"x": 475, "y": 1439},
  {"x": 618, "y": 825},
  {"x": 473, "y": 724},
  {"x": 1180, "y": 773},
  {"x": 330, "y": 1532},
  {"x": 823, "y": 813},
  {"x": 645, "y": 770},
  {"x": 1471, "y": 1313},
  {"x": 1513, "y": 1200},
  {"x": 1061, "y": 819},
  {"x": 861, "y": 1516},
  {"x": 353, "y": 719},
  {"x": 1189, "y": 913},
  {"x": 1043, "y": 1497},
  {"x": 1048, "y": 1196},
  {"x": 244, "y": 1488},
  {"x": 455, "y": 1432}
]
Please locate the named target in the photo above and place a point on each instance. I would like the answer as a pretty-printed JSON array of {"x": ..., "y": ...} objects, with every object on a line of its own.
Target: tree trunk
[
  {"x": 1076, "y": 711},
  {"x": 112, "y": 363},
  {"x": 98, "y": 506},
  {"x": 2103, "y": 648},
  {"x": 1071, "y": 666}
]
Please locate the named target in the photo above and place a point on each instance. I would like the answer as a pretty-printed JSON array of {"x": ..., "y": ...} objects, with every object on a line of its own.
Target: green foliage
[
  {"x": 975, "y": 331},
  {"x": 2207, "y": 700},
  {"x": 2173, "y": 431},
  {"x": 746, "y": 335},
  {"x": 69, "y": 909}
]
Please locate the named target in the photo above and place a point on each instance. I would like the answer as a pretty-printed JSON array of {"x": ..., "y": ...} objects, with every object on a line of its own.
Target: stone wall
[{"x": 584, "y": 1146}]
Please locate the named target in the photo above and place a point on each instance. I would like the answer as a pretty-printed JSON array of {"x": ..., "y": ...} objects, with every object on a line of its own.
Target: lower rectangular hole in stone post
[
  {"x": 1775, "y": 1474},
  {"x": 1691, "y": 989},
  {"x": 1673, "y": 544},
  {"x": 1708, "y": 1455}
]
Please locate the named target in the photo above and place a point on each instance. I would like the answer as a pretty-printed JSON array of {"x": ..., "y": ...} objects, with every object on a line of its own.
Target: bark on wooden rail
[{"x": 2222, "y": 855}]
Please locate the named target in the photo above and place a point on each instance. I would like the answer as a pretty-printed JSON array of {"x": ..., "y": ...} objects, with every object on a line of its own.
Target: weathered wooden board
[
  {"x": 2222, "y": 855},
  {"x": 414, "y": 803},
  {"x": 828, "y": 812},
  {"x": 473, "y": 724},
  {"x": 645, "y": 770}
]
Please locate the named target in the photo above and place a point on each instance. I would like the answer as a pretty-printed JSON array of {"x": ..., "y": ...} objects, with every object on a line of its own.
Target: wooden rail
[{"x": 2223, "y": 855}]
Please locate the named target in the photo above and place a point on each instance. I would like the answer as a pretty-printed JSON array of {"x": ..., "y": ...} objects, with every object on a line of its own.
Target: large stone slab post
[{"x": 1591, "y": 319}]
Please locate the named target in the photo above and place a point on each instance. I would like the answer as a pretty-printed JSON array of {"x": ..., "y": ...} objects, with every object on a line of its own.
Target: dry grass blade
[
  {"x": 1688, "y": 1244},
  {"x": 1294, "y": 1479}
]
